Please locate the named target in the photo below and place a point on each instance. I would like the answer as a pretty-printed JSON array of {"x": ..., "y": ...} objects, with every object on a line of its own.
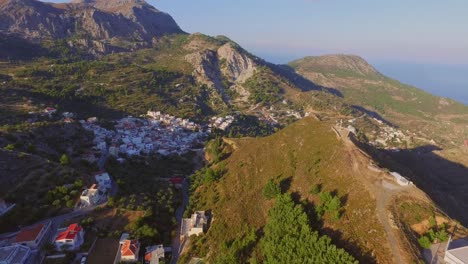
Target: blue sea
[
  {"x": 443, "y": 80},
  {"x": 438, "y": 79}
]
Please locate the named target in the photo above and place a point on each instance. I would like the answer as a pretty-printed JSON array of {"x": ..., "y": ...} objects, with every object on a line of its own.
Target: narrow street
[{"x": 177, "y": 244}]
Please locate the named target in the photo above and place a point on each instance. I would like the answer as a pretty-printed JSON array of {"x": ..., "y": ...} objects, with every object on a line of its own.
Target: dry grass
[{"x": 301, "y": 155}]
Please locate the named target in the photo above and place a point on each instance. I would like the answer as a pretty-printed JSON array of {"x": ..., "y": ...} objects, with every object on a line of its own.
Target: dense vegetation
[{"x": 289, "y": 239}]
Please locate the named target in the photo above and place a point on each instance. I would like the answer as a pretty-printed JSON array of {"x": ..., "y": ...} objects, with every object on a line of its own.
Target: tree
[
  {"x": 64, "y": 160},
  {"x": 271, "y": 190},
  {"x": 288, "y": 238},
  {"x": 56, "y": 203},
  {"x": 10, "y": 147},
  {"x": 70, "y": 204}
]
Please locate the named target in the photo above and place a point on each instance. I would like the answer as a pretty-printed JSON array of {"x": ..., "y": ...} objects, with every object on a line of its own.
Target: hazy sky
[
  {"x": 409, "y": 30},
  {"x": 433, "y": 31}
]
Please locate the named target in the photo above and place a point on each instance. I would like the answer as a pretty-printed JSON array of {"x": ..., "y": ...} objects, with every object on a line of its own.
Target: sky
[{"x": 426, "y": 31}]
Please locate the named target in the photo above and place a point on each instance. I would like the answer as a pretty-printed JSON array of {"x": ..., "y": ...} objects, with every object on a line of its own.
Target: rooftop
[
  {"x": 13, "y": 254},
  {"x": 130, "y": 248},
  {"x": 459, "y": 249},
  {"x": 29, "y": 233},
  {"x": 70, "y": 233}
]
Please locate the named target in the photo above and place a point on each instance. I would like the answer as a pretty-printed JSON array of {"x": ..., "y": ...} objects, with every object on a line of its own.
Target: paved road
[{"x": 176, "y": 244}]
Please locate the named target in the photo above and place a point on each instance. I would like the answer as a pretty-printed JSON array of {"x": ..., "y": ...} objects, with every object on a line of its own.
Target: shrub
[
  {"x": 271, "y": 190},
  {"x": 425, "y": 242},
  {"x": 10, "y": 147},
  {"x": 64, "y": 160}
]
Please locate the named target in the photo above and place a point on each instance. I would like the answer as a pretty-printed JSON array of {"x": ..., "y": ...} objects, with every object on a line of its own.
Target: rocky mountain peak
[{"x": 106, "y": 24}]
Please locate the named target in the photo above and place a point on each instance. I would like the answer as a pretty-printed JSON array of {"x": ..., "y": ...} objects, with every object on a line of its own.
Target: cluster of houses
[
  {"x": 221, "y": 123},
  {"x": 23, "y": 247},
  {"x": 195, "y": 225},
  {"x": 160, "y": 133},
  {"x": 20, "y": 248},
  {"x": 129, "y": 250},
  {"x": 97, "y": 193}
]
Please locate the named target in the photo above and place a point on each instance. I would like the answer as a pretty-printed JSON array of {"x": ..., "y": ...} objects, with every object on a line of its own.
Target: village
[
  {"x": 159, "y": 133},
  {"x": 56, "y": 237}
]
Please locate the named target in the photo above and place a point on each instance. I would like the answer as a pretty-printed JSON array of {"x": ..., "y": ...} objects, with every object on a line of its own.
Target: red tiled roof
[
  {"x": 129, "y": 248},
  {"x": 176, "y": 180},
  {"x": 148, "y": 256},
  {"x": 29, "y": 234},
  {"x": 70, "y": 233}
]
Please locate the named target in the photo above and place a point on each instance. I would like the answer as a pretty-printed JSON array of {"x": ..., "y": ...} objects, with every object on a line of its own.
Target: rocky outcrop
[
  {"x": 226, "y": 68},
  {"x": 236, "y": 66},
  {"x": 108, "y": 22}
]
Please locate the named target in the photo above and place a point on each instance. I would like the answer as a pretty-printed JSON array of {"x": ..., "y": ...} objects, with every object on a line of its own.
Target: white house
[
  {"x": 400, "y": 179},
  {"x": 456, "y": 252},
  {"x": 14, "y": 254},
  {"x": 194, "y": 225},
  {"x": 70, "y": 238},
  {"x": 103, "y": 179},
  {"x": 32, "y": 236},
  {"x": 154, "y": 254},
  {"x": 90, "y": 196}
]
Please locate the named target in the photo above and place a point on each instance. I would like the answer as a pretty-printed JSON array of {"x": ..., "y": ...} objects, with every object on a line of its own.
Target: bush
[
  {"x": 10, "y": 147},
  {"x": 315, "y": 189},
  {"x": 425, "y": 242},
  {"x": 271, "y": 190},
  {"x": 64, "y": 160}
]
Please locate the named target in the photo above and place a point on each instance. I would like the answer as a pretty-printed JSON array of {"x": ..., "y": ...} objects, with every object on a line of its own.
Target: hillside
[
  {"x": 405, "y": 106},
  {"x": 299, "y": 157}
]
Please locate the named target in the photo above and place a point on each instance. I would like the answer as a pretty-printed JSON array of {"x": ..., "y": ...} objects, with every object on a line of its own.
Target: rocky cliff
[{"x": 98, "y": 26}]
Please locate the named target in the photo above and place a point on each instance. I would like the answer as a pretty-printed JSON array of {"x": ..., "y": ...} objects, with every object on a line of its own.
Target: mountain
[
  {"x": 402, "y": 105},
  {"x": 113, "y": 59},
  {"x": 99, "y": 26},
  {"x": 307, "y": 160}
]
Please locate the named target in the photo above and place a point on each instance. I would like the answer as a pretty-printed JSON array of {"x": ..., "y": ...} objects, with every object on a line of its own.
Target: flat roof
[{"x": 459, "y": 249}]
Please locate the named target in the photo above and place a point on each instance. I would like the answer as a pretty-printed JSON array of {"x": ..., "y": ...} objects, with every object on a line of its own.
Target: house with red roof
[
  {"x": 70, "y": 238},
  {"x": 32, "y": 236},
  {"x": 129, "y": 249}
]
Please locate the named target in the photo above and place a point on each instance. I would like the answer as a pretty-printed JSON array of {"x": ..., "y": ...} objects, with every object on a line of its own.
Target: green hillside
[{"x": 309, "y": 163}]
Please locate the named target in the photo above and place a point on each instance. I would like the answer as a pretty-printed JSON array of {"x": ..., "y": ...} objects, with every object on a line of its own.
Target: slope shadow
[
  {"x": 444, "y": 181},
  {"x": 373, "y": 114},
  {"x": 304, "y": 84},
  {"x": 84, "y": 107}
]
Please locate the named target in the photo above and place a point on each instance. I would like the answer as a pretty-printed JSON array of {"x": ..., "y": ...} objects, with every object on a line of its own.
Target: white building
[
  {"x": 154, "y": 254},
  {"x": 456, "y": 252},
  {"x": 91, "y": 196},
  {"x": 103, "y": 179},
  {"x": 70, "y": 238},
  {"x": 400, "y": 179},
  {"x": 14, "y": 254},
  {"x": 32, "y": 236},
  {"x": 194, "y": 225}
]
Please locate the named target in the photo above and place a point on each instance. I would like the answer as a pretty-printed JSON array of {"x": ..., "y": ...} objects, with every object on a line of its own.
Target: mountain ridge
[{"x": 99, "y": 27}]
